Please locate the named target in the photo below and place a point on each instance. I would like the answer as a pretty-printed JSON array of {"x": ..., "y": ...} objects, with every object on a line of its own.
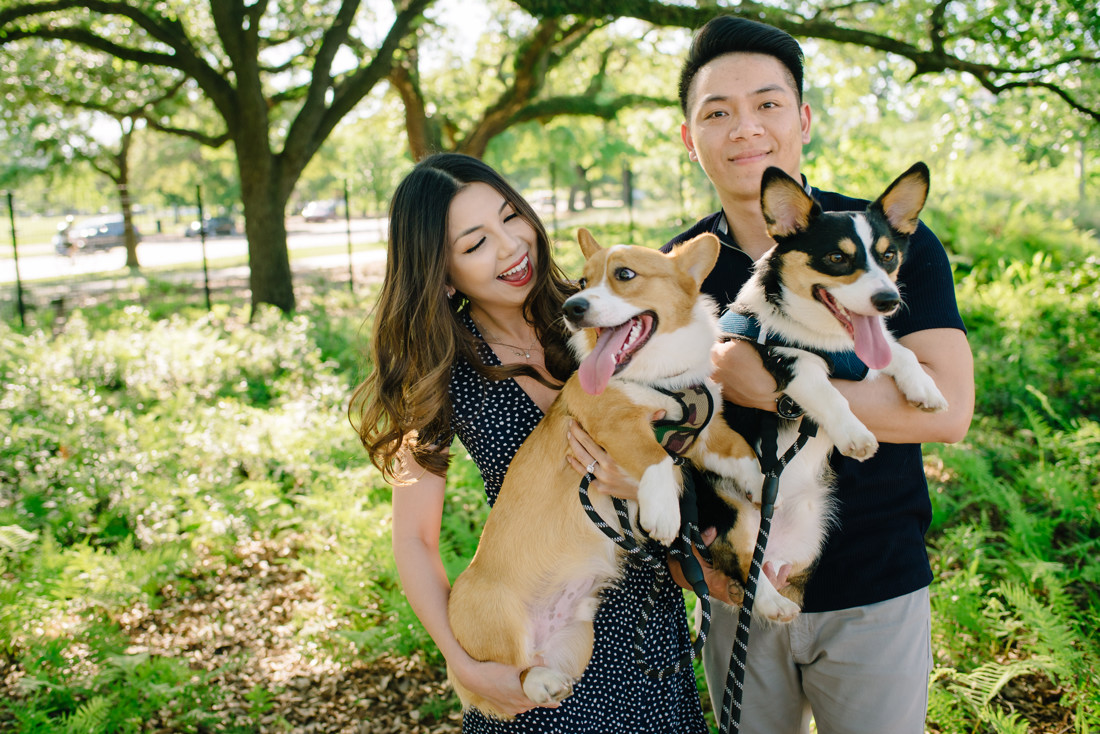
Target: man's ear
[{"x": 689, "y": 143}]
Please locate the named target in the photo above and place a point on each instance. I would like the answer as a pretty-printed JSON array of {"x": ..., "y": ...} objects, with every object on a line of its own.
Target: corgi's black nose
[
  {"x": 575, "y": 308},
  {"x": 885, "y": 301}
]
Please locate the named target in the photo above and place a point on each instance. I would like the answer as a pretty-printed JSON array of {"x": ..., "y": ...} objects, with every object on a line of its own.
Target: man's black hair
[{"x": 730, "y": 34}]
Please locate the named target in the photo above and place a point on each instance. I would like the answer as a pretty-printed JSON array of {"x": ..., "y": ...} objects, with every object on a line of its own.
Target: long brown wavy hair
[{"x": 418, "y": 334}]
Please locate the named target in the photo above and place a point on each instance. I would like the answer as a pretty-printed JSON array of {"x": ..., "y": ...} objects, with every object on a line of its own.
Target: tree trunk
[
  {"x": 628, "y": 185},
  {"x": 582, "y": 185},
  {"x": 126, "y": 204},
  {"x": 264, "y": 196}
]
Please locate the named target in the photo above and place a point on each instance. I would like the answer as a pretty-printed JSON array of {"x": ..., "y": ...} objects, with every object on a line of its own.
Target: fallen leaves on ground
[{"x": 257, "y": 627}]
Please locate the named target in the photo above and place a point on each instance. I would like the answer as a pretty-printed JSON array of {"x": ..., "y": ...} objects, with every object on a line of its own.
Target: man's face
[{"x": 743, "y": 116}]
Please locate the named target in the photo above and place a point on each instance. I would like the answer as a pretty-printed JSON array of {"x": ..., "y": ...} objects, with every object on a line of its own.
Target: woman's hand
[
  {"x": 497, "y": 683},
  {"x": 609, "y": 476}
]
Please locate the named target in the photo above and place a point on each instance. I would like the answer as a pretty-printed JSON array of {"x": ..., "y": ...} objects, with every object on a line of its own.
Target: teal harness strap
[{"x": 844, "y": 365}]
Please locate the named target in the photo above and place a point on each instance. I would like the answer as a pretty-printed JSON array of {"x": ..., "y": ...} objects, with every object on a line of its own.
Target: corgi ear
[
  {"x": 787, "y": 207},
  {"x": 589, "y": 246},
  {"x": 903, "y": 200},
  {"x": 697, "y": 256}
]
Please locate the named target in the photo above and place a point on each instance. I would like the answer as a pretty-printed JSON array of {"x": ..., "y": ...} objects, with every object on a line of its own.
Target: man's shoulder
[
  {"x": 706, "y": 224},
  {"x": 831, "y": 201}
]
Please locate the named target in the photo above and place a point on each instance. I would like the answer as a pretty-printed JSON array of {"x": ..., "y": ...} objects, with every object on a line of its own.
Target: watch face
[{"x": 787, "y": 408}]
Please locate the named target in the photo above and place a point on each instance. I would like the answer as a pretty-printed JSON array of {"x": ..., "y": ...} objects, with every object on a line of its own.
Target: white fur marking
[
  {"x": 659, "y": 501},
  {"x": 863, "y": 229},
  {"x": 606, "y": 308}
]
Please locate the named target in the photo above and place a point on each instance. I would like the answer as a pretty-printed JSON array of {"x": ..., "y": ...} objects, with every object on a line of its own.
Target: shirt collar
[{"x": 722, "y": 227}]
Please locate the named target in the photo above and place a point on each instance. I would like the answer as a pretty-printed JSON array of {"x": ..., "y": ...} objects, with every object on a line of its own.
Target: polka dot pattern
[{"x": 491, "y": 420}]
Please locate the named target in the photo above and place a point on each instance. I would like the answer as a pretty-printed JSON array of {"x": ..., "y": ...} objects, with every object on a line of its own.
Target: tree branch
[
  {"x": 211, "y": 141},
  {"x": 825, "y": 23}
]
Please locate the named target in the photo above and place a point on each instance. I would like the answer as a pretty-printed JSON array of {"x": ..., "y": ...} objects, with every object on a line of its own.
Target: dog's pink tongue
[
  {"x": 597, "y": 367},
  {"x": 871, "y": 345}
]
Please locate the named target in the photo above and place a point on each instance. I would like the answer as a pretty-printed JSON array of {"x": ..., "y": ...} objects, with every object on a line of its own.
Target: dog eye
[
  {"x": 836, "y": 258},
  {"x": 889, "y": 256},
  {"x": 582, "y": 283},
  {"x": 625, "y": 274}
]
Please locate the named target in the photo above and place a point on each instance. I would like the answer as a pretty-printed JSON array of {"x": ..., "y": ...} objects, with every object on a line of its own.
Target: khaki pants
[{"x": 855, "y": 671}]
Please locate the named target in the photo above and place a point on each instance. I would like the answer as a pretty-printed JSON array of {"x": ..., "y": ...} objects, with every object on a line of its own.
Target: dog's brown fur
[{"x": 529, "y": 595}]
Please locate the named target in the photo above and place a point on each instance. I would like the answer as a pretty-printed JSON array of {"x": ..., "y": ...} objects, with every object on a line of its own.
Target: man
[{"x": 858, "y": 658}]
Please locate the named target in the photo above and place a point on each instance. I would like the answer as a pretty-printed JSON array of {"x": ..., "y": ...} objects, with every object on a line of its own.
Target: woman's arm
[{"x": 417, "y": 516}]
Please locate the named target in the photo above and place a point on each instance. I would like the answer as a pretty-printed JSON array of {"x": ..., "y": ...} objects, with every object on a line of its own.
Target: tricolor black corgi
[
  {"x": 822, "y": 291},
  {"x": 644, "y": 334}
]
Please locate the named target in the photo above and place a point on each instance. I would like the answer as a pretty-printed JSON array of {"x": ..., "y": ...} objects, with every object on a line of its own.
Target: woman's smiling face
[{"x": 492, "y": 253}]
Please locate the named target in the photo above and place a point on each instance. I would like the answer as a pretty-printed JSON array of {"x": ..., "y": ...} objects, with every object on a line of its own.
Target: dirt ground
[{"x": 243, "y": 621}]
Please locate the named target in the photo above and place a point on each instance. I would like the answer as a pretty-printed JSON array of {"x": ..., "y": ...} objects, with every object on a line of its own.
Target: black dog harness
[
  {"x": 844, "y": 365},
  {"x": 676, "y": 437}
]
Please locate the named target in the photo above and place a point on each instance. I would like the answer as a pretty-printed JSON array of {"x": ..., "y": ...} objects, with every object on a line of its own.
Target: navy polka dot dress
[{"x": 614, "y": 697}]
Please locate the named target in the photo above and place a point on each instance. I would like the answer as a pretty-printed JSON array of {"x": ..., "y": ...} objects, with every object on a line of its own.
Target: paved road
[{"x": 165, "y": 250}]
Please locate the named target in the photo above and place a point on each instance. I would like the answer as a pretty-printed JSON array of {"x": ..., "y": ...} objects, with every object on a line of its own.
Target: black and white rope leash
[
  {"x": 772, "y": 464},
  {"x": 690, "y": 538},
  {"x": 653, "y": 556}
]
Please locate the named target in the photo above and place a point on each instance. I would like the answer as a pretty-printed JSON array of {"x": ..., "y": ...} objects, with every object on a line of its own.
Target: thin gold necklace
[{"x": 524, "y": 352}]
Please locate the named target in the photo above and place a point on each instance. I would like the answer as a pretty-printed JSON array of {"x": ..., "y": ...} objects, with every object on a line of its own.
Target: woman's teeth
[{"x": 520, "y": 268}]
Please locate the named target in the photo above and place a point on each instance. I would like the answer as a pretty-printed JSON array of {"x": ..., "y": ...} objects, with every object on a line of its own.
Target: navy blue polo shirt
[{"x": 877, "y": 551}]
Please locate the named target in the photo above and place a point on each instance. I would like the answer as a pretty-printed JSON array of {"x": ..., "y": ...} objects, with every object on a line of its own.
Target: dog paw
[
  {"x": 921, "y": 392},
  {"x": 658, "y": 507},
  {"x": 773, "y": 606},
  {"x": 859, "y": 444},
  {"x": 546, "y": 686},
  {"x": 661, "y": 525},
  {"x": 931, "y": 401}
]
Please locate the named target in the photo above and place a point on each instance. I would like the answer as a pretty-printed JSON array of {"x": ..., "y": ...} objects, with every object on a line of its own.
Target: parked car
[
  {"x": 99, "y": 233},
  {"x": 319, "y": 211},
  {"x": 213, "y": 226}
]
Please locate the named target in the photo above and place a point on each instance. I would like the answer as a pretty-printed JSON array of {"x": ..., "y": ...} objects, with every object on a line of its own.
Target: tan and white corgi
[
  {"x": 642, "y": 330},
  {"x": 822, "y": 290}
]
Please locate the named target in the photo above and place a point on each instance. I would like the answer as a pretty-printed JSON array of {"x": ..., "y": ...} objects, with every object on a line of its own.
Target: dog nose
[
  {"x": 575, "y": 308},
  {"x": 885, "y": 301}
]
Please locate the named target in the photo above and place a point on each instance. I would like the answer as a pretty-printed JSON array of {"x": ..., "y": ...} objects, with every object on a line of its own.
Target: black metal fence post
[
  {"x": 202, "y": 240},
  {"x": 347, "y": 222},
  {"x": 15, "y": 255}
]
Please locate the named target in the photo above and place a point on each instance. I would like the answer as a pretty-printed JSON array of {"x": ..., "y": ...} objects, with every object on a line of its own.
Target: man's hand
[
  {"x": 744, "y": 379},
  {"x": 720, "y": 586}
]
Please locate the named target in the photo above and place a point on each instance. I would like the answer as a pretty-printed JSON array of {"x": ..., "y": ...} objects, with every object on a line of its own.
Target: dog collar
[
  {"x": 696, "y": 408},
  {"x": 842, "y": 365}
]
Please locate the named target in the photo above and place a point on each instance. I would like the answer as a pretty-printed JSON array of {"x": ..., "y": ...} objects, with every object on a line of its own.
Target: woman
[{"x": 468, "y": 341}]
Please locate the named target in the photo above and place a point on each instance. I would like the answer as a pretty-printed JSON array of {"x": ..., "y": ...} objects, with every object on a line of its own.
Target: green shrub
[
  {"x": 1033, "y": 326},
  {"x": 143, "y": 441}
]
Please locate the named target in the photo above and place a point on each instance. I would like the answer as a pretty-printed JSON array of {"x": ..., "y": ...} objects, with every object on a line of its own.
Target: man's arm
[{"x": 943, "y": 353}]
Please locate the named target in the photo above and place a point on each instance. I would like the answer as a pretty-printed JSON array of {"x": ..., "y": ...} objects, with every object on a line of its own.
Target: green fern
[
  {"x": 92, "y": 717},
  {"x": 1051, "y": 634},
  {"x": 1004, "y": 722},
  {"x": 980, "y": 687},
  {"x": 15, "y": 539}
]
